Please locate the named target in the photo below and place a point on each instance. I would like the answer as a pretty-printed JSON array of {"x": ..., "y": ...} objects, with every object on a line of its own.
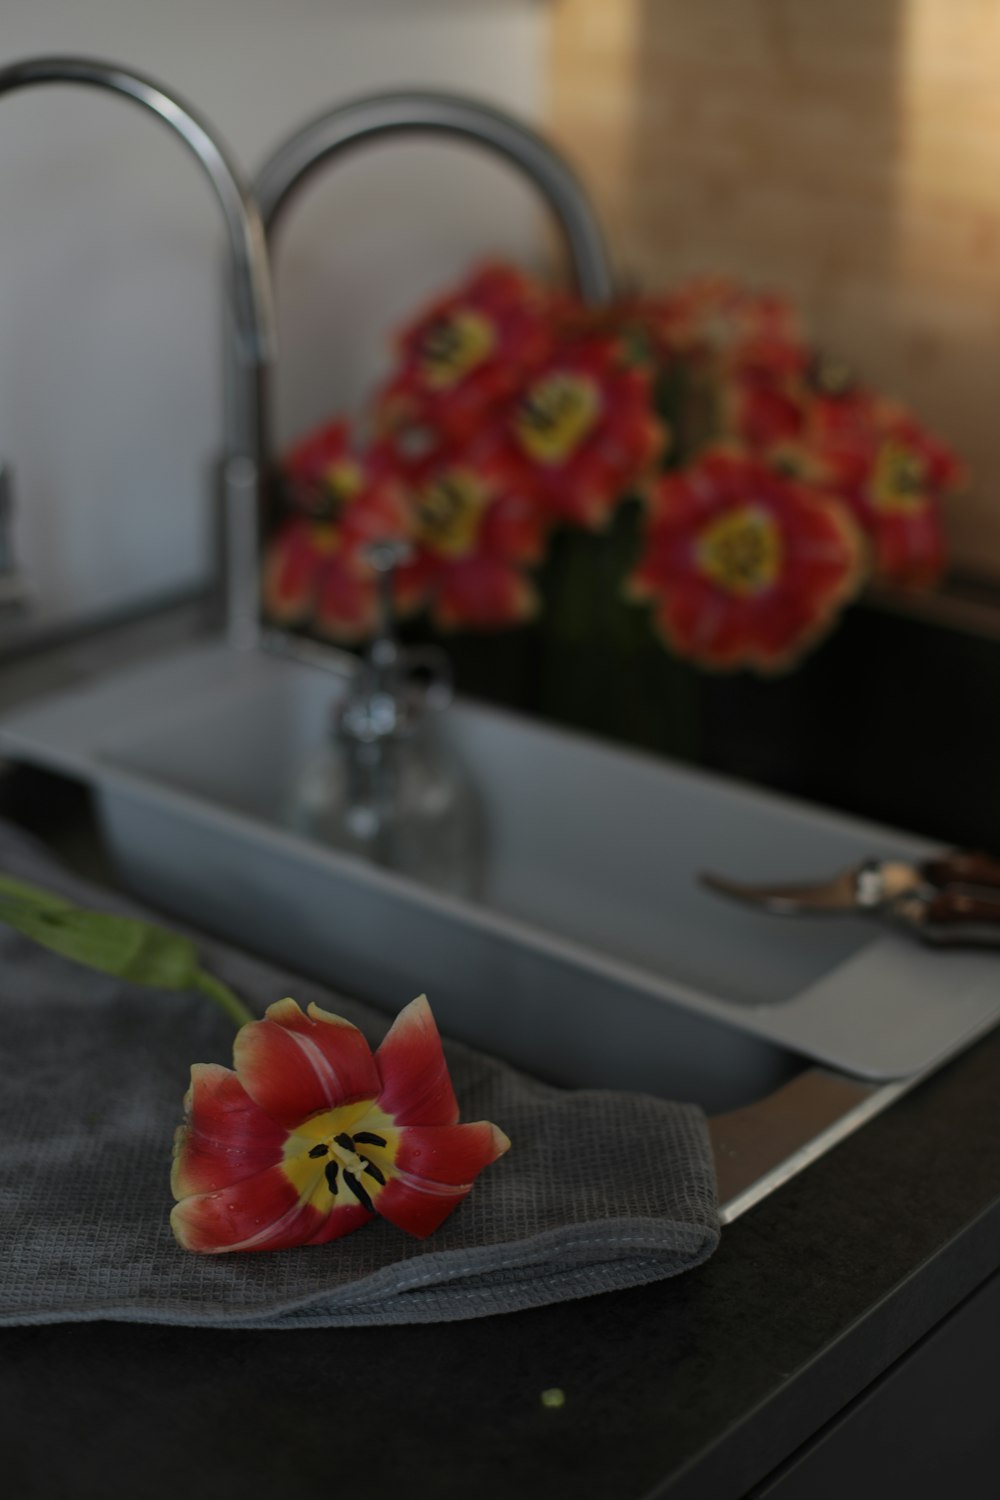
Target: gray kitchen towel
[{"x": 599, "y": 1190}]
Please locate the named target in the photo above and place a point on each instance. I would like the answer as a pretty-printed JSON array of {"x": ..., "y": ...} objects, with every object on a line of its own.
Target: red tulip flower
[
  {"x": 744, "y": 567},
  {"x": 315, "y": 570},
  {"x": 712, "y": 318},
  {"x": 466, "y": 354},
  {"x": 584, "y": 431},
  {"x": 312, "y": 1136},
  {"x": 862, "y": 449},
  {"x": 321, "y": 471},
  {"x": 475, "y": 533},
  {"x": 765, "y": 412},
  {"x": 893, "y": 474}
]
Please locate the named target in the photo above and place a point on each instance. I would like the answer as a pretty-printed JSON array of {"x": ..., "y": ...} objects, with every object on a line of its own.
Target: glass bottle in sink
[{"x": 387, "y": 787}]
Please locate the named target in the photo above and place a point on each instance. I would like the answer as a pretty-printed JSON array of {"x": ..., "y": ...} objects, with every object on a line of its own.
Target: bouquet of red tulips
[{"x": 757, "y": 482}]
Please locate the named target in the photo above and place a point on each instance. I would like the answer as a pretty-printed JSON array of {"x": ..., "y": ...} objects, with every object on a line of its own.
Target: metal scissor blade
[{"x": 827, "y": 897}]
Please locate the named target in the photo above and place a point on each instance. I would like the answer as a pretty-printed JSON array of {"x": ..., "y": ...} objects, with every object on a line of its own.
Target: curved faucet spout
[
  {"x": 251, "y": 285},
  {"x": 429, "y": 112},
  {"x": 251, "y": 280},
  {"x": 433, "y": 113}
]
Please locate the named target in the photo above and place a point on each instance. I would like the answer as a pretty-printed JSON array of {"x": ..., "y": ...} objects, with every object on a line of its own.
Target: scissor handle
[
  {"x": 955, "y": 908},
  {"x": 962, "y": 867},
  {"x": 951, "y": 918}
]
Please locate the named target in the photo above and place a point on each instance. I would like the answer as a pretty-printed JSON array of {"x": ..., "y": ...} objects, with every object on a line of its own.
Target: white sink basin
[
  {"x": 593, "y": 958},
  {"x": 589, "y": 885}
]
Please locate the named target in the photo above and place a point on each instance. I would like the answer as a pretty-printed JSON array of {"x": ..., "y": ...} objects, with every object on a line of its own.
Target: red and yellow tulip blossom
[
  {"x": 584, "y": 431},
  {"x": 893, "y": 474},
  {"x": 315, "y": 568},
  {"x": 467, "y": 353},
  {"x": 712, "y": 318},
  {"x": 312, "y": 1135},
  {"x": 859, "y": 448},
  {"x": 476, "y": 532},
  {"x": 744, "y": 567}
]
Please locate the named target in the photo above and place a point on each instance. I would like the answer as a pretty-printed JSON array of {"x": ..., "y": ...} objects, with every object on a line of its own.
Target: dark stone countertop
[
  {"x": 697, "y": 1387},
  {"x": 694, "y": 1387}
]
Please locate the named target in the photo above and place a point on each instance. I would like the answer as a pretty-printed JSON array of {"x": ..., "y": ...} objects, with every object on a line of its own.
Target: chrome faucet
[
  {"x": 246, "y": 462},
  {"x": 335, "y": 132},
  {"x": 413, "y": 112},
  {"x": 15, "y": 590}
]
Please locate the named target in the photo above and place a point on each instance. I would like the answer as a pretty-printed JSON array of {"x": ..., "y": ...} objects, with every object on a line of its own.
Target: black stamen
[
  {"x": 368, "y": 1139},
  {"x": 319, "y": 1150},
  {"x": 343, "y": 1139},
  {"x": 331, "y": 1170},
  {"x": 359, "y": 1192},
  {"x": 373, "y": 1171}
]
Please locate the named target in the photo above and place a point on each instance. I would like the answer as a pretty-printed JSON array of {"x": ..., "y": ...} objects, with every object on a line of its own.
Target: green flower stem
[
  {"x": 223, "y": 996},
  {"x": 136, "y": 951}
]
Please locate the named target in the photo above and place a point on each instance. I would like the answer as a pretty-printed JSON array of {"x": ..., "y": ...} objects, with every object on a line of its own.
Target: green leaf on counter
[
  {"x": 33, "y": 895},
  {"x": 138, "y": 952},
  {"x": 121, "y": 946}
]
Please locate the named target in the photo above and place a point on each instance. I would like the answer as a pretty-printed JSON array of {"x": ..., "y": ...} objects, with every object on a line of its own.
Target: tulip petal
[
  {"x": 343, "y": 1219},
  {"x": 347, "y": 608},
  {"x": 291, "y": 569},
  {"x": 287, "y": 1205},
  {"x": 309, "y": 462},
  {"x": 415, "y": 1086},
  {"x": 451, "y": 1155},
  {"x": 294, "y": 1065},
  {"x": 226, "y": 1137},
  {"x": 418, "y": 1206},
  {"x": 483, "y": 593},
  {"x": 265, "y": 1212},
  {"x": 433, "y": 1170}
]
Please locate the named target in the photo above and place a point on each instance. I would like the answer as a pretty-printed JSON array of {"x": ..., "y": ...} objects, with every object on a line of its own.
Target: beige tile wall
[{"x": 846, "y": 152}]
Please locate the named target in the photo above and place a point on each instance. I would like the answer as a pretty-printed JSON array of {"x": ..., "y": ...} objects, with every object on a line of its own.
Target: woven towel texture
[{"x": 600, "y": 1190}]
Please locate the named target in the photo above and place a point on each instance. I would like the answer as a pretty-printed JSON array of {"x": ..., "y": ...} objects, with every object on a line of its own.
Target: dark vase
[{"x": 601, "y": 666}]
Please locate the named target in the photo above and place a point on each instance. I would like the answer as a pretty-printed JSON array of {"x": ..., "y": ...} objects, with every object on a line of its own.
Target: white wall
[{"x": 110, "y": 252}]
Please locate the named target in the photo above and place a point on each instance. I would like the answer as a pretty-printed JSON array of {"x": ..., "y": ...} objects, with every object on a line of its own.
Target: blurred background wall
[
  {"x": 111, "y": 253},
  {"x": 846, "y": 154}
]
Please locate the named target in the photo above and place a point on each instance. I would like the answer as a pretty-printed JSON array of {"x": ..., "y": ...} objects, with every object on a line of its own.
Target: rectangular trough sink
[{"x": 591, "y": 959}]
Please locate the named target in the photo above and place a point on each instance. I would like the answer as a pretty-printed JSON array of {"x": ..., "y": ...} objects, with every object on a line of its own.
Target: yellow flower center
[
  {"x": 556, "y": 415},
  {"x": 345, "y": 479},
  {"x": 831, "y": 375},
  {"x": 449, "y": 509},
  {"x": 342, "y": 1155},
  {"x": 454, "y": 345},
  {"x": 742, "y": 551},
  {"x": 339, "y": 484},
  {"x": 898, "y": 480},
  {"x": 792, "y": 460},
  {"x": 324, "y": 538}
]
